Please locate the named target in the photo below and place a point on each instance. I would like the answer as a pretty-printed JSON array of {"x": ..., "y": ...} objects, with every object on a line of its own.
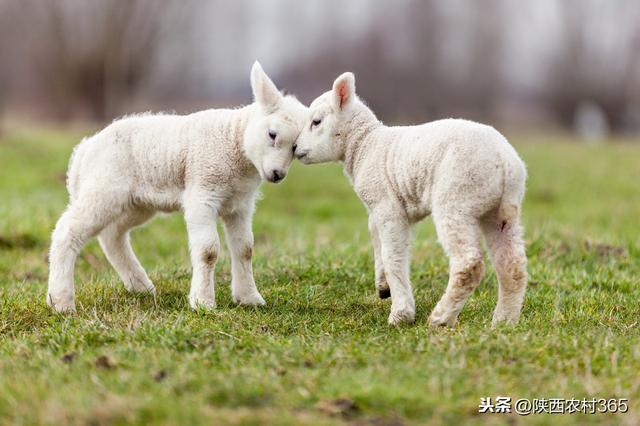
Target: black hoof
[{"x": 384, "y": 293}]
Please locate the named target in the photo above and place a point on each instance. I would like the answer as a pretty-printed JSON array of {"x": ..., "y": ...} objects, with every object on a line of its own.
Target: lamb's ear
[
  {"x": 344, "y": 90},
  {"x": 264, "y": 91}
]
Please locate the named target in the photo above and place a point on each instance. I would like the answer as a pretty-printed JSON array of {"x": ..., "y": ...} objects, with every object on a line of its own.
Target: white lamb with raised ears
[
  {"x": 465, "y": 174},
  {"x": 208, "y": 164}
]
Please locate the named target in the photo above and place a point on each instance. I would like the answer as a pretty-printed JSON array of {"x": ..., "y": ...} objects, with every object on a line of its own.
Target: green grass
[{"x": 323, "y": 334}]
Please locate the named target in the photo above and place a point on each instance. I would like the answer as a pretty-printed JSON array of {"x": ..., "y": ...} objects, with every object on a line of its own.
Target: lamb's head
[
  {"x": 322, "y": 138},
  {"x": 273, "y": 128}
]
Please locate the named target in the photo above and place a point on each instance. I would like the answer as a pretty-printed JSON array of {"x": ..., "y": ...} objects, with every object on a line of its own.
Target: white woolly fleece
[
  {"x": 466, "y": 175},
  {"x": 208, "y": 164}
]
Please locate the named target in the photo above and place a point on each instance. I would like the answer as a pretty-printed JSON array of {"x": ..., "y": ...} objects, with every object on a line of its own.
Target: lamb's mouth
[{"x": 302, "y": 156}]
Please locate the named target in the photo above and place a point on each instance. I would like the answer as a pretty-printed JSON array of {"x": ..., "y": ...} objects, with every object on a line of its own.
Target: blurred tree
[
  {"x": 96, "y": 55},
  {"x": 580, "y": 72},
  {"x": 415, "y": 60},
  {"x": 407, "y": 68},
  {"x": 4, "y": 4}
]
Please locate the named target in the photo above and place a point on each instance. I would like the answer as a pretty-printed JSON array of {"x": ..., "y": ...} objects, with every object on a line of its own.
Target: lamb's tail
[
  {"x": 73, "y": 171},
  {"x": 515, "y": 176}
]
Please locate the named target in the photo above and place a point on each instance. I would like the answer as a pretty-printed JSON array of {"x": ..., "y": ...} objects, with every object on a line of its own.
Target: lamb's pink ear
[
  {"x": 265, "y": 92},
  {"x": 344, "y": 90}
]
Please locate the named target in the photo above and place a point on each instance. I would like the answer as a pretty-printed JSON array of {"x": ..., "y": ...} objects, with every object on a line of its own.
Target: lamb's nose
[
  {"x": 278, "y": 175},
  {"x": 295, "y": 145}
]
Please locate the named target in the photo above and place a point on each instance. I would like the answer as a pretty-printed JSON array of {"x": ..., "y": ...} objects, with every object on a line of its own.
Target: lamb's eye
[
  {"x": 316, "y": 122},
  {"x": 272, "y": 135}
]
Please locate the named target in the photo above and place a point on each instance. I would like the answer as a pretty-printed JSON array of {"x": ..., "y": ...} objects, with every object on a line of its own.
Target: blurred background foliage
[{"x": 572, "y": 65}]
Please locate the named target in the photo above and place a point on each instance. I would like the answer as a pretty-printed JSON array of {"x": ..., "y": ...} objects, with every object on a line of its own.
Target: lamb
[
  {"x": 466, "y": 175},
  {"x": 208, "y": 164}
]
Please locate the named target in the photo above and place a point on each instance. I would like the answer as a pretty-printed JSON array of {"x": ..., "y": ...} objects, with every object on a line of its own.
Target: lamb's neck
[
  {"x": 235, "y": 129},
  {"x": 355, "y": 136}
]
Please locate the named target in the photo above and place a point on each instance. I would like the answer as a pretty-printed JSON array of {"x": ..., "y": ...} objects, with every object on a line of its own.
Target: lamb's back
[
  {"x": 440, "y": 161},
  {"x": 467, "y": 163},
  {"x": 133, "y": 151}
]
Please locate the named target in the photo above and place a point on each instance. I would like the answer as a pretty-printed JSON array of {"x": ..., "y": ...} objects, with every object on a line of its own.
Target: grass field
[{"x": 323, "y": 334}]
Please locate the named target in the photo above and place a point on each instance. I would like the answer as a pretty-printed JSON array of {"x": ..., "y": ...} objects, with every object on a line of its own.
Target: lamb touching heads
[
  {"x": 321, "y": 139},
  {"x": 208, "y": 165},
  {"x": 465, "y": 175},
  {"x": 270, "y": 137}
]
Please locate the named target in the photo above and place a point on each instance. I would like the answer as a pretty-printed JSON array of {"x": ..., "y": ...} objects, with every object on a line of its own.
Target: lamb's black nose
[
  {"x": 278, "y": 176},
  {"x": 295, "y": 145}
]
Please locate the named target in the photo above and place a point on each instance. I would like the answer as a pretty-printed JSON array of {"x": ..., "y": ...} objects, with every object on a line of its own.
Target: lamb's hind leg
[
  {"x": 114, "y": 240},
  {"x": 81, "y": 221},
  {"x": 507, "y": 253},
  {"x": 460, "y": 237}
]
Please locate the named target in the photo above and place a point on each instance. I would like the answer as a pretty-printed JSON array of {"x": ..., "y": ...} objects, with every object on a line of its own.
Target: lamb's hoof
[
  {"x": 251, "y": 299},
  {"x": 402, "y": 316},
  {"x": 384, "y": 293},
  {"x": 254, "y": 299},
  {"x": 61, "y": 305},
  {"x": 502, "y": 318},
  {"x": 202, "y": 303},
  {"x": 140, "y": 285},
  {"x": 441, "y": 318}
]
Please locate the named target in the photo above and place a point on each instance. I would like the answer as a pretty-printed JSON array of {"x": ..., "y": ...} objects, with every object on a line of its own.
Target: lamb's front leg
[
  {"x": 240, "y": 242},
  {"x": 204, "y": 246},
  {"x": 395, "y": 235},
  {"x": 381, "y": 282}
]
